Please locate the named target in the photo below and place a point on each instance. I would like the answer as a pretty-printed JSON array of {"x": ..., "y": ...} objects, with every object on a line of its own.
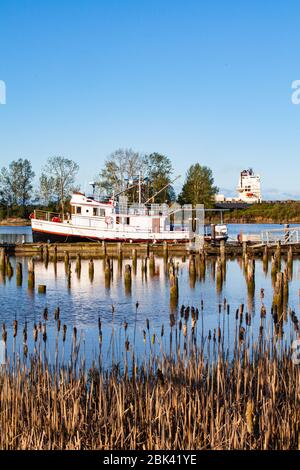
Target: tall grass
[{"x": 187, "y": 392}]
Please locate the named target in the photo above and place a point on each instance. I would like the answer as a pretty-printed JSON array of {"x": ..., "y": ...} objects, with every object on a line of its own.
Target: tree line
[{"x": 122, "y": 170}]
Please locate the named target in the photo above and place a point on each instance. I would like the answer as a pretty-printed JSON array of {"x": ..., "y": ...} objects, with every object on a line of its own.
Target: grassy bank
[
  {"x": 277, "y": 213},
  {"x": 14, "y": 221}
]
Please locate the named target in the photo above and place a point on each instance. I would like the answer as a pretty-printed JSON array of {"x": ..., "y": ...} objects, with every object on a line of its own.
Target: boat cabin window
[
  {"x": 102, "y": 212},
  {"x": 78, "y": 210},
  {"x": 95, "y": 211}
]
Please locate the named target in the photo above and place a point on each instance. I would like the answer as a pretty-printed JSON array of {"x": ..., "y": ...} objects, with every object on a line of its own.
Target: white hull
[{"x": 66, "y": 231}]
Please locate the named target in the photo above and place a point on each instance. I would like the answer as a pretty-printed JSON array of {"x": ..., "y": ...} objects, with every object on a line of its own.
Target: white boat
[
  {"x": 92, "y": 220},
  {"x": 215, "y": 233}
]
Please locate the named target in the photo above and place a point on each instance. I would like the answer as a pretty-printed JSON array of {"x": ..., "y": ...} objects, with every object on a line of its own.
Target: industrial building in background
[{"x": 249, "y": 189}]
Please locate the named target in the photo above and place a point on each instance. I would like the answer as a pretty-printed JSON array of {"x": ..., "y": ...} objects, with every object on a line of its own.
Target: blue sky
[{"x": 206, "y": 82}]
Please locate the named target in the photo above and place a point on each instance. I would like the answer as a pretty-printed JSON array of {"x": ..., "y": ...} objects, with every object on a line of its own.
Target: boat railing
[{"x": 46, "y": 215}]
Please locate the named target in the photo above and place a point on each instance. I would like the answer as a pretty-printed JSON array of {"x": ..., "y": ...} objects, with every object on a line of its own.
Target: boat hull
[{"x": 44, "y": 231}]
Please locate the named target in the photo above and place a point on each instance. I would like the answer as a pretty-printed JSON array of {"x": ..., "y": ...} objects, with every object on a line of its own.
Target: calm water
[{"x": 85, "y": 301}]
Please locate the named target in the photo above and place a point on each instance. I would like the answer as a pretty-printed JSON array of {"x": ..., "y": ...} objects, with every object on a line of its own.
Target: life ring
[
  {"x": 31, "y": 216},
  {"x": 56, "y": 219},
  {"x": 108, "y": 220}
]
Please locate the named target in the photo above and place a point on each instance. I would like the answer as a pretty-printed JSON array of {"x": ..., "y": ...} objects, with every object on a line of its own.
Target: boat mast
[{"x": 140, "y": 189}]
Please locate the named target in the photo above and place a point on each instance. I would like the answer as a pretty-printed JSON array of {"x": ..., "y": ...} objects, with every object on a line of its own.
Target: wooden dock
[{"x": 101, "y": 249}]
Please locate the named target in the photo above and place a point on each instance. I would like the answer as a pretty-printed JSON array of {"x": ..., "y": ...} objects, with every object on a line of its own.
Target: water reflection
[{"x": 150, "y": 292}]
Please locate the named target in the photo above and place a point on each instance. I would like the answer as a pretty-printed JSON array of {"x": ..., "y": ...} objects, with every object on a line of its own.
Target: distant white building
[{"x": 249, "y": 187}]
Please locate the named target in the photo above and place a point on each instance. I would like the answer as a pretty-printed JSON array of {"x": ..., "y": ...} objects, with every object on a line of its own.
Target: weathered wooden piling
[
  {"x": 278, "y": 255},
  {"x": 19, "y": 273},
  {"x": 46, "y": 254},
  {"x": 31, "y": 276},
  {"x": 219, "y": 275},
  {"x": 2, "y": 260},
  {"x": 69, "y": 275},
  {"x": 222, "y": 250},
  {"x": 104, "y": 249},
  {"x": 174, "y": 293},
  {"x": 78, "y": 265},
  {"x": 66, "y": 261},
  {"x": 144, "y": 266},
  {"x": 165, "y": 250},
  {"x": 250, "y": 275},
  {"x": 278, "y": 292},
  {"x": 54, "y": 256},
  {"x": 9, "y": 268},
  {"x": 192, "y": 266},
  {"x": 41, "y": 289},
  {"x": 202, "y": 265},
  {"x": 273, "y": 267},
  {"x": 251, "y": 270},
  {"x": 127, "y": 279},
  {"x": 151, "y": 264},
  {"x": 107, "y": 272},
  {"x": 134, "y": 260},
  {"x": 265, "y": 259},
  {"x": 91, "y": 270}
]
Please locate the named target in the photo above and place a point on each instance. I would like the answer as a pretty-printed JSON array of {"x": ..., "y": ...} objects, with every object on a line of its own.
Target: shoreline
[{"x": 15, "y": 222}]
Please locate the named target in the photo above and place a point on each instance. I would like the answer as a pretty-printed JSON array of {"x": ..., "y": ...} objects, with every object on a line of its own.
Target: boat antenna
[{"x": 164, "y": 187}]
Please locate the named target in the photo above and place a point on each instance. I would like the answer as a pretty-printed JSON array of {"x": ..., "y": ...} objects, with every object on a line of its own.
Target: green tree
[
  {"x": 58, "y": 179},
  {"x": 16, "y": 184},
  {"x": 159, "y": 172},
  {"x": 198, "y": 187}
]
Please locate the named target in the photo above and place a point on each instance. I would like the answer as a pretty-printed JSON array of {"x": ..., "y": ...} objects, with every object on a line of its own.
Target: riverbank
[
  {"x": 264, "y": 213},
  {"x": 14, "y": 222}
]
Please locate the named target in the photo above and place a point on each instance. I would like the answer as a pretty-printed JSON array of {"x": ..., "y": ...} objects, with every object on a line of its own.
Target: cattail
[
  {"x": 144, "y": 336},
  {"x": 127, "y": 345},
  {"x": 263, "y": 311},
  {"x": 15, "y": 328},
  {"x": 58, "y": 325},
  {"x": 249, "y": 416},
  {"x": 64, "y": 332},
  {"x": 153, "y": 338},
  {"x": 56, "y": 313},
  {"x": 4, "y": 333},
  {"x": 25, "y": 333},
  {"x": 162, "y": 330},
  {"x": 45, "y": 314},
  {"x": 125, "y": 325},
  {"x": 242, "y": 334},
  {"x": 35, "y": 333},
  {"x": 148, "y": 324},
  {"x": 74, "y": 334},
  {"x": 44, "y": 333}
]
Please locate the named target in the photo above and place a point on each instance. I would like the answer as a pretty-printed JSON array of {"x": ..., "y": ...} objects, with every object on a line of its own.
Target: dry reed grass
[{"x": 196, "y": 395}]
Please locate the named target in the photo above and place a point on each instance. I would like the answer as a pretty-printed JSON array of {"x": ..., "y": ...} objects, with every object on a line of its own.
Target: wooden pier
[{"x": 102, "y": 249}]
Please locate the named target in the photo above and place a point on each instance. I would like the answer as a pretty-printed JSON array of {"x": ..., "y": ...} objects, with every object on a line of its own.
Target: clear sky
[{"x": 201, "y": 81}]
